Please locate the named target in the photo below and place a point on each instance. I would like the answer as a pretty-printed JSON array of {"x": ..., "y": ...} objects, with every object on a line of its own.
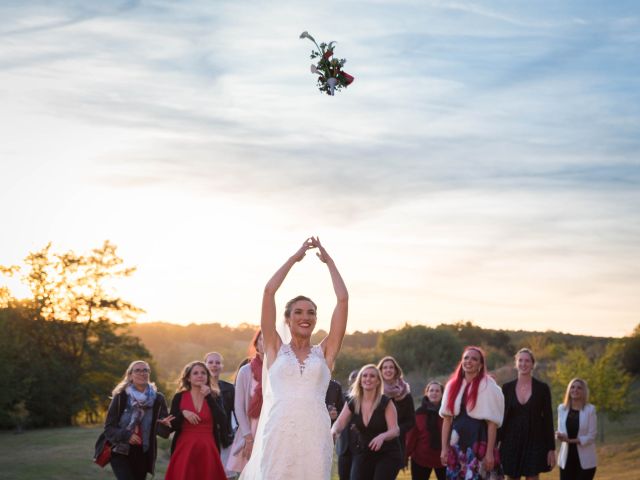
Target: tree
[
  {"x": 418, "y": 348},
  {"x": 63, "y": 346},
  {"x": 608, "y": 383},
  {"x": 631, "y": 352}
]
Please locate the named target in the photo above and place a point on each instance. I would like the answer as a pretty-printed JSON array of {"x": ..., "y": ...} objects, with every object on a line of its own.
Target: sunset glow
[{"x": 483, "y": 166}]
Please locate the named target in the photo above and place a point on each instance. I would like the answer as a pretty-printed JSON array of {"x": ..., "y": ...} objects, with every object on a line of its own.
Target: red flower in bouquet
[{"x": 329, "y": 71}]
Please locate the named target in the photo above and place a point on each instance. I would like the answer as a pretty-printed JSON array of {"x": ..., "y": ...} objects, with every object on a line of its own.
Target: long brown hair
[
  {"x": 399, "y": 374},
  {"x": 184, "y": 384}
]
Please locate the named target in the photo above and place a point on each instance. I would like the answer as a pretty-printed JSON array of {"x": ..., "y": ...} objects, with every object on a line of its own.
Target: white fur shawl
[{"x": 490, "y": 404}]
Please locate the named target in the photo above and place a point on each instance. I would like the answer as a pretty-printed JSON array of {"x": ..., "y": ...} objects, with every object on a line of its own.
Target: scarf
[
  {"x": 255, "y": 403},
  {"x": 430, "y": 410},
  {"x": 397, "y": 390},
  {"x": 139, "y": 412}
]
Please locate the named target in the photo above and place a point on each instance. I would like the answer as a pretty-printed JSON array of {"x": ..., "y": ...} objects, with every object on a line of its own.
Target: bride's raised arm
[
  {"x": 270, "y": 337},
  {"x": 332, "y": 343}
]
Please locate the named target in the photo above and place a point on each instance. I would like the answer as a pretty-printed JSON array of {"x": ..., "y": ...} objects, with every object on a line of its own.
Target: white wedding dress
[{"x": 293, "y": 441}]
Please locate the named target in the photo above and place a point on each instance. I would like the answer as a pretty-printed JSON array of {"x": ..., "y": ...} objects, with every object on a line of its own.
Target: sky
[{"x": 484, "y": 166}]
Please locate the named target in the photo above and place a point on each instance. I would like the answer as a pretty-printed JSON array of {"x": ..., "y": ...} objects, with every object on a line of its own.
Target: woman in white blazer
[{"x": 577, "y": 429}]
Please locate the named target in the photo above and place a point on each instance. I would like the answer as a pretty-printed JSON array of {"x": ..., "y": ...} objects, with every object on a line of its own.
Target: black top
[
  {"x": 334, "y": 396},
  {"x": 226, "y": 401},
  {"x": 573, "y": 423},
  {"x": 219, "y": 419},
  {"x": 377, "y": 425},
  {"x": 406, "y": 416},
  {"x": 527, "y": 434}
]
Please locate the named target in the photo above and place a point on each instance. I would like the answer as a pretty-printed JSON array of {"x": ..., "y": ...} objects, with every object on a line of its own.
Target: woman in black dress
[
  {"x": 377, "y": 455},
  {"x": 527, "y": 444},
  {"x": 398, "y": 390}
]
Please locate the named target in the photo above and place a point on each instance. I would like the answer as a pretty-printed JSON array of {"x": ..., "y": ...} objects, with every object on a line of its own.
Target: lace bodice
[
  {"x": 294, "y": 439},
  {"x": 291, "y": 379}
]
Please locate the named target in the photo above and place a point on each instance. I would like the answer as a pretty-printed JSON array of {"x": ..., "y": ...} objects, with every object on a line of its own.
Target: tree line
[{"x": 64, "y": 348}]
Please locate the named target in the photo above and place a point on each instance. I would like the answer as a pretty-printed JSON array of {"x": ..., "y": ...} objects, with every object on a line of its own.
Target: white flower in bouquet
[{"x": 331, "y": 77}]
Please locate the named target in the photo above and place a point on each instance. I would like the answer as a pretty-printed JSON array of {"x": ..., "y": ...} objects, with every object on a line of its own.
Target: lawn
[{"x": 66, "y": 453}]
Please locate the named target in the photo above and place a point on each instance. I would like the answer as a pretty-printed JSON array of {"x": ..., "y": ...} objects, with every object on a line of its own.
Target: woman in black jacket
[
  {"x": 398, "y": 390},
  {"x": 527, "y": 443},
  {"x": 136, "y": 414}
]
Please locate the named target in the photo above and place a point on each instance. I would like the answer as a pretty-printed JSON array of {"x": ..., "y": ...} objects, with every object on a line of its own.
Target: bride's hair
[
  {"x": 291, "y": 303},
  {"x": 357, "y": 392}
]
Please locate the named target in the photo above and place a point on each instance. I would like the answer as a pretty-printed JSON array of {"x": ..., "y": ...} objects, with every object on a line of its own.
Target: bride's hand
[
  {"x": 322, "y": 252},
  {"x": 302, "y": 251}
]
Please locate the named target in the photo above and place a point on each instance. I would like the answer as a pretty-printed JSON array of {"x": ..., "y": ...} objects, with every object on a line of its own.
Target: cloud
[{"x": 503, "y": 138}]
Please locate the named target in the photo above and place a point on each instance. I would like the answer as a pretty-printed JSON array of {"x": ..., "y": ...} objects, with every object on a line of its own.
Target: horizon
[
  {"x": 239, "y": 325},
  {"x": 483, "y": 165}
]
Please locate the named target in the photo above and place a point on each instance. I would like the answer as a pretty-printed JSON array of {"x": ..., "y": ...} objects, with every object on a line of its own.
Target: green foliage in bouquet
[{"x": 331, "y": 77}]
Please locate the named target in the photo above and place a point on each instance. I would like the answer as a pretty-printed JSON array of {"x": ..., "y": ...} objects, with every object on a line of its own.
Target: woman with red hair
[
  {"x": 472, "y": 410},
  {"x": 248, "y": 404}
]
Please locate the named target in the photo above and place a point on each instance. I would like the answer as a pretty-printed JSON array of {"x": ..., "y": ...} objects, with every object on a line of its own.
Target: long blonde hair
[
  {"x": 567, "y": 396},
  {"x": 215, "y": 385},
  {"x": 126, "y": 379},
  {"x": 357, "y": 392}
]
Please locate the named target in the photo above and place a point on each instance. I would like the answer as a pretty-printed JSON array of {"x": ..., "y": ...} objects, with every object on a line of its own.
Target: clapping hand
[
  {"x": 302, "y": 251},
  {"x": 322, "y": 253}
]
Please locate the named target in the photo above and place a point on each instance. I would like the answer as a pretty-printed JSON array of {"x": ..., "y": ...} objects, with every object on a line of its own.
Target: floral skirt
[{"x": 468, "y": 464}]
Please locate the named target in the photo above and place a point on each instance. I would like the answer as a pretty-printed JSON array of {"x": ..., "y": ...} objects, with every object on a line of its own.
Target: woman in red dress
[{"x": 199, "y": 423}]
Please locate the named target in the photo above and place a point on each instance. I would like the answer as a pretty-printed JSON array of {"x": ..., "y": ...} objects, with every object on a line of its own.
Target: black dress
[
  {"x": 406, "y": 418},
  {"x": 572, "y": 469},
  {"x": 367, "y": 464},
  {"x": 526, "y": 435}
]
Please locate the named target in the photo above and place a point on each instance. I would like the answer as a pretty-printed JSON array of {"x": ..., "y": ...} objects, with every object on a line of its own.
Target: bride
[{"x": 293, "y": 440}]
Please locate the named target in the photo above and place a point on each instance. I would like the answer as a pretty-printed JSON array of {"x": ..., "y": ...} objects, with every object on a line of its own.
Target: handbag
[{"x": 104, "y": 455}]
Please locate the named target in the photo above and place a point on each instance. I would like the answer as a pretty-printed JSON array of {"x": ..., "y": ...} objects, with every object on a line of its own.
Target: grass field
[{"x": 65, "y": 453}]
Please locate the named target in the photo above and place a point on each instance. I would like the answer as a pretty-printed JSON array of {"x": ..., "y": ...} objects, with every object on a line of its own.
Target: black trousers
[
  {"x": 573, "y": 470},
  {"x": 376, "y": 466},
  {"x": 344, "y": 466},
  {"x": 578, "y": 473},
  {"x": 423, "y": 473},
  {"x": 132, "y": 466}
]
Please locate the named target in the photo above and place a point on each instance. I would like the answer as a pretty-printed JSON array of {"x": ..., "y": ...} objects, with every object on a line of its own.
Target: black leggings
[
  {"x": 577, "y": 473},
  {"x": 130, "y": 467},
  {"x": 573, "y": 470},
  {"x": 423, "y": 473},
  {"x": 378, "y": 466}
]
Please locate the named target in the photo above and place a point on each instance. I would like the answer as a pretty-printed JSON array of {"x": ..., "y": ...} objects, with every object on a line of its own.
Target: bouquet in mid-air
[{"x": 331, "y": 77}]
